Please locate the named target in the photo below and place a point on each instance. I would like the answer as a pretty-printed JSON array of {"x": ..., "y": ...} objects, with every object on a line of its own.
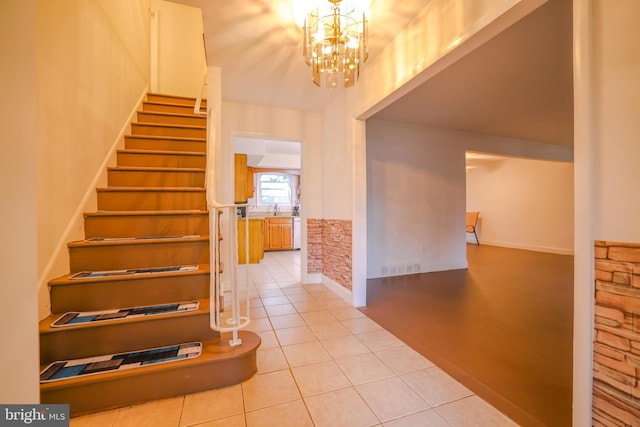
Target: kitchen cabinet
[
  {"x": 256, "y": 248},
  {"x": 240, "y": 183},
  {"x": 249, "y": 192},
  {"x": 279, "y": 233}
]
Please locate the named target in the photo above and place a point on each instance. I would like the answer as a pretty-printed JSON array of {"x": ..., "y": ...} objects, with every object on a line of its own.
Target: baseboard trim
[
  {"x": 558, "y": 251},
  {"x": 59, "y": 255},
  {"x": 338, "y": 289}
]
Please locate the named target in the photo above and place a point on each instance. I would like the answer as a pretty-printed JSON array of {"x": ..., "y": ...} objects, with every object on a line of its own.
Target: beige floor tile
[
  {"x": 297, "y": 335},
  {"x": 473, "y": 412},
  {"x": 344, "y": 346},
  {"x": 290, "y": 414},
  {"x": 391, "y": 398},
  {"x": 403, "y": 359},
  {"x": 336, "y": 304},
  {"x": 317, "y": 317},
  {"x": 287, "y": 321},
  {"x": 346, "y": 313},
  {"x": 273, "y": 388},
  {"x": 266, "y": 301},
  {"x": 305, "y": 354},
  {"x": 105, "y": 418},
  {"x": 257, "y": 313},
  {"x": 280, "y": 309},
  {"x": 379, "y": 340},
  {"x": 340, "y": 408},
  {"x": 273, "y": 292},
  {"x": 255, "y": 302},
  {"x": 314, "y": 287},
  {"x": 361, "y": 325},
  {"x": 268, "y": 339},
  {"x": 159, "y": 413},
  {"x": 364, "y": 368},
  {"x": 304, "y": 296},
  {"x": 235, "y": 421},
  {"x": 319, "y": 378},
  {"x": 293, "y": 289},
  {"x": 329, "y": 330},
  {"x": 428, "y": 418},
  {"x": 327, "y": 295},
  {"x": 259, "y": 325},
  {"x": 212, "y": 405},
  {"x": 435, "y": 386},
  {"x": 270, "y": 360},
  {"x": 308, "y": 306}
]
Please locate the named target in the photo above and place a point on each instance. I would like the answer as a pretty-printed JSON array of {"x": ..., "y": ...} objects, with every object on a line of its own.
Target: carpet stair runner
[{"x": 130, "y": 322}]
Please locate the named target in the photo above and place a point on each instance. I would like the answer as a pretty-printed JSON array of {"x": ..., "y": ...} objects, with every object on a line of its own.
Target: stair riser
[
  {"x": 146, "y": 225},
  {"x": 101, "y": 294},
  {"x": 161, "y": 160},
  {"x": 153, "y": 384},
  {"x": 168, "y": 108},
  {"x": 141, "y": 178},
  {"x": 159, "y": 98},
  {"x": 164, "y": 144},
  {"x": 118, "y": 257},
  {"x": 151, "y": 200},
  {"x": 167, "y": 119},
  {"x": 119, "y": 337},
  {"x": 158, "y": 130}
]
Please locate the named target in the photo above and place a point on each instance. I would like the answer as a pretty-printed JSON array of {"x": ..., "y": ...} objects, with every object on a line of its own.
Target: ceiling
[{"x": 517, "y": 85}]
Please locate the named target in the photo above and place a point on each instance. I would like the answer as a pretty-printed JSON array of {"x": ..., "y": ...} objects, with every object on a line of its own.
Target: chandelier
[{"x": 335, "y": 43}]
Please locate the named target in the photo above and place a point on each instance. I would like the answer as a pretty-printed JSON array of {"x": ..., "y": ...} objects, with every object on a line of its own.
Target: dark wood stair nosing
[
  {"x": 166, "y": 114},
  {"x": 80, "y": 244},
  {"x": 161, "y": 152},
  {"x": 168, "y": 138},
  {"x": 169, "y": 125}
]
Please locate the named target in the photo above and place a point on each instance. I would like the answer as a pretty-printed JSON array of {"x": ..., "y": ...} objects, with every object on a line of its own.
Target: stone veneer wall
[
  {"x": 336, "y": 251},
  {"x": 329, "y": 249},
  {"x": 616, "y": 357},
  {"x": 314, "y": 246}
]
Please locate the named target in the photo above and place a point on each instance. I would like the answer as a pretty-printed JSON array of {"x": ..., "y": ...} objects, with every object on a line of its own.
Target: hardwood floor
[{"x": 502, "y": 327}]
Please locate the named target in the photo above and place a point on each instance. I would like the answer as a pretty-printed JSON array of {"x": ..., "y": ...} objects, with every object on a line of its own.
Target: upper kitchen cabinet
[{"x": 241, "y": 186}]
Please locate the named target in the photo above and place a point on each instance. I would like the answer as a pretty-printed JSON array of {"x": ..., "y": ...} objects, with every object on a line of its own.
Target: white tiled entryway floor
[{"x": 321, "y": 363}]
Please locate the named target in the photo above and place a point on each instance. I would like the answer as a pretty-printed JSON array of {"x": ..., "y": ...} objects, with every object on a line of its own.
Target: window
[{"x": 274, "y": 188}]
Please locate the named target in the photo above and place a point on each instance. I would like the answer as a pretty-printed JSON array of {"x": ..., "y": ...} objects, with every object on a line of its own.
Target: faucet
[{"x": 275, "y": 210}]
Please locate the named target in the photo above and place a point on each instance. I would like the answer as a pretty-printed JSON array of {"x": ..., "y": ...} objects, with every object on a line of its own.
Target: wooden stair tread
[
  {"x": 154, "y": 169},
  {"x": 169, "y": 125},
  {"x": 144, "y": 213},
  {"x": 165, "y": 114},
  {"x": 161, "y": 152},
  {"x": 132, "y": 189},
  {"x": 169, "y": 137},
  {"x": 46, "y": 328},
  {"x": 212, "y": 351},
  {"x": 141, "y": 241},
  {"x": 66, "y": 280}
]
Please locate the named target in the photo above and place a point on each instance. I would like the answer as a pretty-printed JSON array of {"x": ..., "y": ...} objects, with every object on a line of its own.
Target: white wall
[
  {"x": 618, "y": 122},
  {"x": 92, "y": 68},
  {"x": 523, "y": 203},
  {"x": 416, "y": 200},
  {"x": 421, "y": 217},
  {"x": 19, "y": 361},
  {"x": 180, "y": 48}
]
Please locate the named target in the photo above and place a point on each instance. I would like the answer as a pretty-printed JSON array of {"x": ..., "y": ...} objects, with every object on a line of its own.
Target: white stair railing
[{"x": 220, "y": 319}]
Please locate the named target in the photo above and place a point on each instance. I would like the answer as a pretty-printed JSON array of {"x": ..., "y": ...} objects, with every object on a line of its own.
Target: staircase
[{"x": 152, "y": 218}]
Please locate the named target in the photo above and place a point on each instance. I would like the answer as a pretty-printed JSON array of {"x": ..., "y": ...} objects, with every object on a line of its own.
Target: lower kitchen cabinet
[{"x": 279, "y": 232}]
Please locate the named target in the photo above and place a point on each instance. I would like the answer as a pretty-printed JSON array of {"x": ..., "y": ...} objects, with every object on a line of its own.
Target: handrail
[{"x": 196, "y": 108}]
